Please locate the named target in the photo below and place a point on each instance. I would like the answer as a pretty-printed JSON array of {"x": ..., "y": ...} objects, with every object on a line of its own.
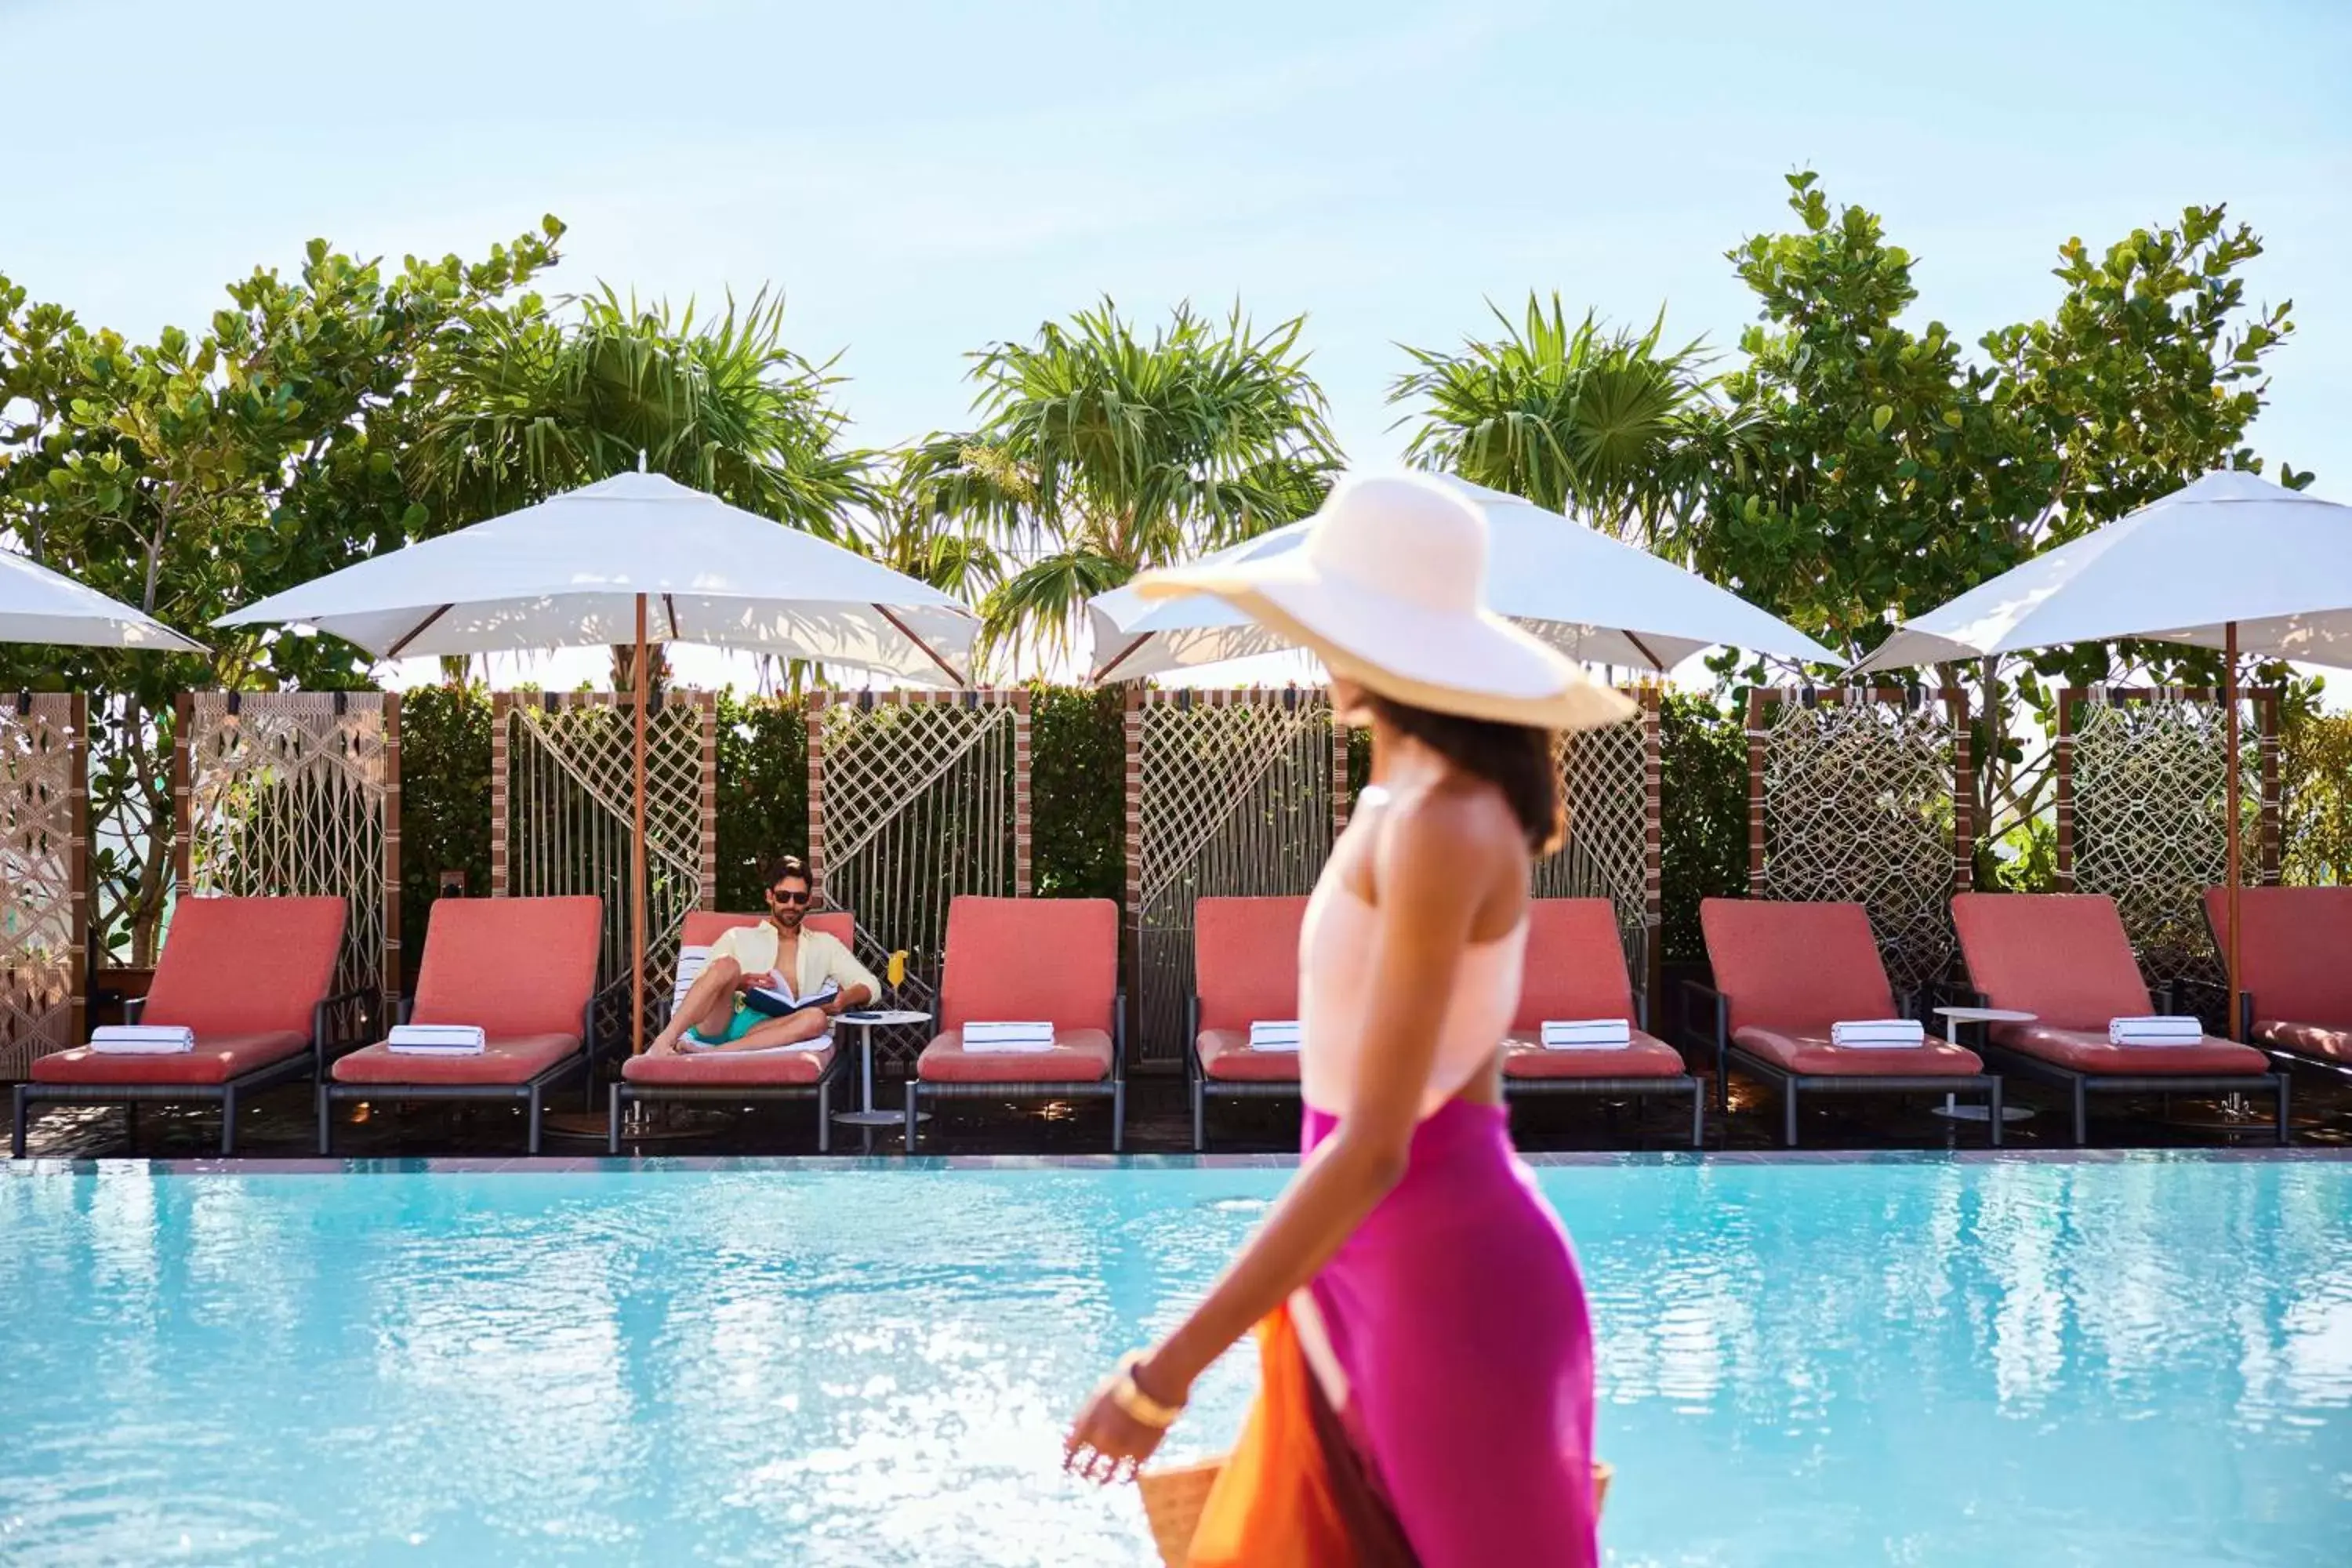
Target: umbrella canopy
[
  {"x": 2231, "y": 547},
  {"x": 1595, "y": 598},
  {"x": 568, "y": 573},
  {"x": 37, "y": 605}
]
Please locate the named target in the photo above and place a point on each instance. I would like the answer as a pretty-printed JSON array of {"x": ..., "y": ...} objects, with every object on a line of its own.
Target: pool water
[{"x": 1915, "y": 1360}]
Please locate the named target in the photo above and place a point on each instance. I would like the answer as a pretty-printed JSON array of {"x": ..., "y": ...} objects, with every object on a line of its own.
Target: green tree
[
  {"x": 1576, "y": 418},
  {"x": 202, "y": 471},
  {"x": 1103, "y": 452}
]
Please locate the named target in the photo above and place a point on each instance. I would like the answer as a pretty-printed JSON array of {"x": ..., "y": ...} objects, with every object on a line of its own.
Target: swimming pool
[{"x": 2112, "y": 1360}]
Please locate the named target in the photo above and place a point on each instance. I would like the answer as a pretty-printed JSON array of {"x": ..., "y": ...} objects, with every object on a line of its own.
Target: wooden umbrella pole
[
  {"x": 638, "y": 854},
  {"x": 2236, "y": 795}
]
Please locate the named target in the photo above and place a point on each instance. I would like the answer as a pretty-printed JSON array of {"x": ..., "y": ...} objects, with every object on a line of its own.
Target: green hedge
[
  {"x": 1703, "y": 816},
  {"x": 445, "y": 803}
]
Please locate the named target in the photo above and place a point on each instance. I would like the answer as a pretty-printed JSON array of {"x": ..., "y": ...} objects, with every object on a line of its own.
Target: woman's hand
[{"x": 1105, "y": 1444}]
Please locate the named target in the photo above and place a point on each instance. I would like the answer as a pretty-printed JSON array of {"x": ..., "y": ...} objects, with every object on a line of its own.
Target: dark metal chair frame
[
  {"x": 1638, "y": 1088},
  {"x": 1114, "y": 1088},
  {"x": 1201, "y": 1088}
]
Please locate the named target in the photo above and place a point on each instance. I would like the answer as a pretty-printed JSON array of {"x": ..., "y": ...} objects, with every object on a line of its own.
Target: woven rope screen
[
  {"x": 1854, "y": 797},
  {"x": 1230, "y": 793},
  {"x": 44, "y": 850},
  {"x": 2142, "y": 778},
  {"x": 297, "y": 795},
  {"x": 914, "y": 797},
  {"x": 563, "y": 810},
  {"x": 1610, "y": 781}
]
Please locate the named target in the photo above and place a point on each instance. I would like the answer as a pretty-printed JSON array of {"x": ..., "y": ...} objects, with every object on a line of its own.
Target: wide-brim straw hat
[{"x": 1389, "y": 589}]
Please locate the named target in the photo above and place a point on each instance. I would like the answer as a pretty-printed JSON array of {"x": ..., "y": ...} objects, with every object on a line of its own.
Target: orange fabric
[
  {"x": 1812, "y": 1055},
  {"x": 1575, "y": 964},
  {"x": 754, "y": 1067},
  {"x": 1273, "y": 1505},
  {"x": 2312, "y": 1040},
  {"x": 2062, "y": 957},
  {"x": 514, "y": 1059},
  {"x": 1246, "y": 961},
  {"x": 1646, "y": 1056},
  {"x": 1798, "y": 968},
  {"x": 1225, "y": 1056},
  {"x": 1021, "y": 960},
  {"x": 1078, "y": 1055},
  {"x": 704, "y": 927},
  {"x": 2295, "y": 957},
  {"x": 217, "y": 1059},
  {"x": 512, "y": 966},
  {"x": 246, "y": 966},
  {"x": 2088, "y": 1050}
]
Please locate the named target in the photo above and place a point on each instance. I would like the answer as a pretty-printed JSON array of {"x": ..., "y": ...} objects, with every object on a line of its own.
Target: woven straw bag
[{"x": 1174, "y": 1497}]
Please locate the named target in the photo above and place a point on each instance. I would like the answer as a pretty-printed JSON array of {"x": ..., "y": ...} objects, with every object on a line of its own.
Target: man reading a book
[{"x": 777, "y": 984}]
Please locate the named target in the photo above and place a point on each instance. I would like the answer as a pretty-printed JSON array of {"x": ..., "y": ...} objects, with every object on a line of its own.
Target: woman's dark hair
[
  {"x": 789, "y": 865},
  {"x": 1514, "y": 758}
]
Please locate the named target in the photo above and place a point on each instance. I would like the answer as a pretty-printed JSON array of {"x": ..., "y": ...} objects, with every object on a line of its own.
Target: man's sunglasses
[{"x": 785, "y": 895}]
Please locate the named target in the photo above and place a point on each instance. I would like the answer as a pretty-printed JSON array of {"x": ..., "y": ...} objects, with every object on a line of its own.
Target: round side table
[
  {"x": 866, "y": 1023},
  {"x": 1951, "y": 1110}
]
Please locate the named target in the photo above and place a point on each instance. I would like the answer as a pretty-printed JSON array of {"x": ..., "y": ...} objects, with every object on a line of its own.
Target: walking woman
[{"x": 1428, "y": 1363}]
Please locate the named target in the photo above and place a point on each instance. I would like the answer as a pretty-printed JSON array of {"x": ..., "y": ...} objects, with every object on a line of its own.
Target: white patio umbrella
[
  {"x": 2232, "y": 562},
  {"x": 641, "y": 558},
  {"x": 1594, "y": 597},
  {"x": 37, "y": 605}
]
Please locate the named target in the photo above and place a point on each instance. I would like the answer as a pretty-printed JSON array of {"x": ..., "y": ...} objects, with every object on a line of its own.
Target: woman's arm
[{"x": 1430, "y": 872}]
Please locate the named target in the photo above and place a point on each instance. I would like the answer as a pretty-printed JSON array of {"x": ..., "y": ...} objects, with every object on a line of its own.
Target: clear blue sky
[{"x": 923, "y": 178}]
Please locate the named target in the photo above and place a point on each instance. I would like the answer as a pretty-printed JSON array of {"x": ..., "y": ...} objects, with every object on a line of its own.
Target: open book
[{"x": 778, "y": 1003}]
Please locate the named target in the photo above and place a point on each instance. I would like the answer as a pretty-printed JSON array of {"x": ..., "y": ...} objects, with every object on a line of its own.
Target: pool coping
[{"x": 558, "y": 1165}]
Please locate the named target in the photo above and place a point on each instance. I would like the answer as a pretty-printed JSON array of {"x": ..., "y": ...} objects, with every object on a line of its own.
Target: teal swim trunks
[{"x": 744, "y": 1022}]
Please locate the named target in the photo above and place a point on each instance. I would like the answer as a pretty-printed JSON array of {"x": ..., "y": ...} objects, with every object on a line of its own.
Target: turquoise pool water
[{"x": 1920, "y": 1361}]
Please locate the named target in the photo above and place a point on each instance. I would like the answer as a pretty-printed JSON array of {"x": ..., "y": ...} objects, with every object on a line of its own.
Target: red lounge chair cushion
[
  {"x": 728, "y": 1067},
  {"x": 505, "y": 1058},
  {"x": 246, "y": 966},
  {"x": 2087, "y": 1051},
  {"x": 1647, "y": 1056},
  {"x": 1079, "y": 1056},
  {"x": 1026, "y": 959},
  {"x": 2295, "y": 957},
  {"x": 1813, "y": 1056},
  {"x": 1575, "y": 964},
  {"x": 1798, "y": 968},
  {"x": 2308, "y": 1039},
  {"x": 216, "y": 1058},
  {"x": 516, "y": 967},
  {"x": 1225, "y": 1056},
  {"x": 1246, "y": 961},
  {"x": 2063, "y": 957}
]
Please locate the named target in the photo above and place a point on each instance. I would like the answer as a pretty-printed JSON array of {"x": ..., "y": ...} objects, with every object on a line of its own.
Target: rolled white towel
[
  {"x": 1276, "y": 1034},
  {"x": 436, "y": 1040},
  {"x": 690, "y": 962},
  {"x": 1008, "y": 1038},
  {"x": 1879, "y": 1035},
  {"x": 141, "y": 1039},
  {"x": 2163, "y": 1030},
  {"x": 1586, "y": 1035}
]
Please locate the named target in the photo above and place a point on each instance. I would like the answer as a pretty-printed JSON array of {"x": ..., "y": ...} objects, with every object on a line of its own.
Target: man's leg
[
  {"x": 709, "y": 1004},
  {"x": 791, "y": 1030}
]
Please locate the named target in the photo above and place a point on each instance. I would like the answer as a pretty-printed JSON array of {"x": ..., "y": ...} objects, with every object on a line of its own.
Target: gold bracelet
[{"x": 1139, "y": 1406}]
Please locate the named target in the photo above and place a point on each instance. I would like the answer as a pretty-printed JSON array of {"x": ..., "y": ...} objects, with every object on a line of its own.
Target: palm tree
[
  {"x": 1101, "y": 452},
  {"x": 525, "y": 404},
  {"x": 1571, "y": 418}
]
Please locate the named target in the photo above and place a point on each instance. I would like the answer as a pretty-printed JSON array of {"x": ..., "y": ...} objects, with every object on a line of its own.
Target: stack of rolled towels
[
  {"x": 141, "y": 1039},
  {"x": 436, "y": 1040},
  {"x": 1878, "y": 1035},
  {"x": 2155, "y": 1031},
  {"x": 1586, "y": 1035},
  {"x": 1274, "y": 1035},
  {"x": 1007, "y": 1039}
]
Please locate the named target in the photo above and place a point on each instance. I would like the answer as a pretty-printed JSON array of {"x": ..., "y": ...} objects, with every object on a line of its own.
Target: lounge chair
[
  {"x": 521, "y": 970},
  {"x": 1576, "y": 971},
  {"x": 1245, "y": 972},
  {"x": 1054, "y": 961},
  {"x": 735, "y": 1076},
  {"x": 251, "y": 977},
  {"x": 1786, "y": 972},
  {"x": 2295, "y": 972},
  {"x": 2065, "y": 958}
]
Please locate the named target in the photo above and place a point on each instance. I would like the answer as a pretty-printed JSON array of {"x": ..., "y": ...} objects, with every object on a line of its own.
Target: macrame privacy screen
[
  {"x": 44, "y": 856},
  {"x": 1230, "y": 793},
  {"x": 2142, "y": 778},
  {"x": 563, "y": 811},
  {"x": 1858, "y": 796},
  {"x": 914, "y": 797},
  {"x": 1609, "y": 783},
  {"x": 297, "y": 795}
]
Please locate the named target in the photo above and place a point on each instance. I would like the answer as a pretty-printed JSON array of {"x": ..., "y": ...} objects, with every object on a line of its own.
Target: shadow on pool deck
[{"x": 279, "y": 1125}]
